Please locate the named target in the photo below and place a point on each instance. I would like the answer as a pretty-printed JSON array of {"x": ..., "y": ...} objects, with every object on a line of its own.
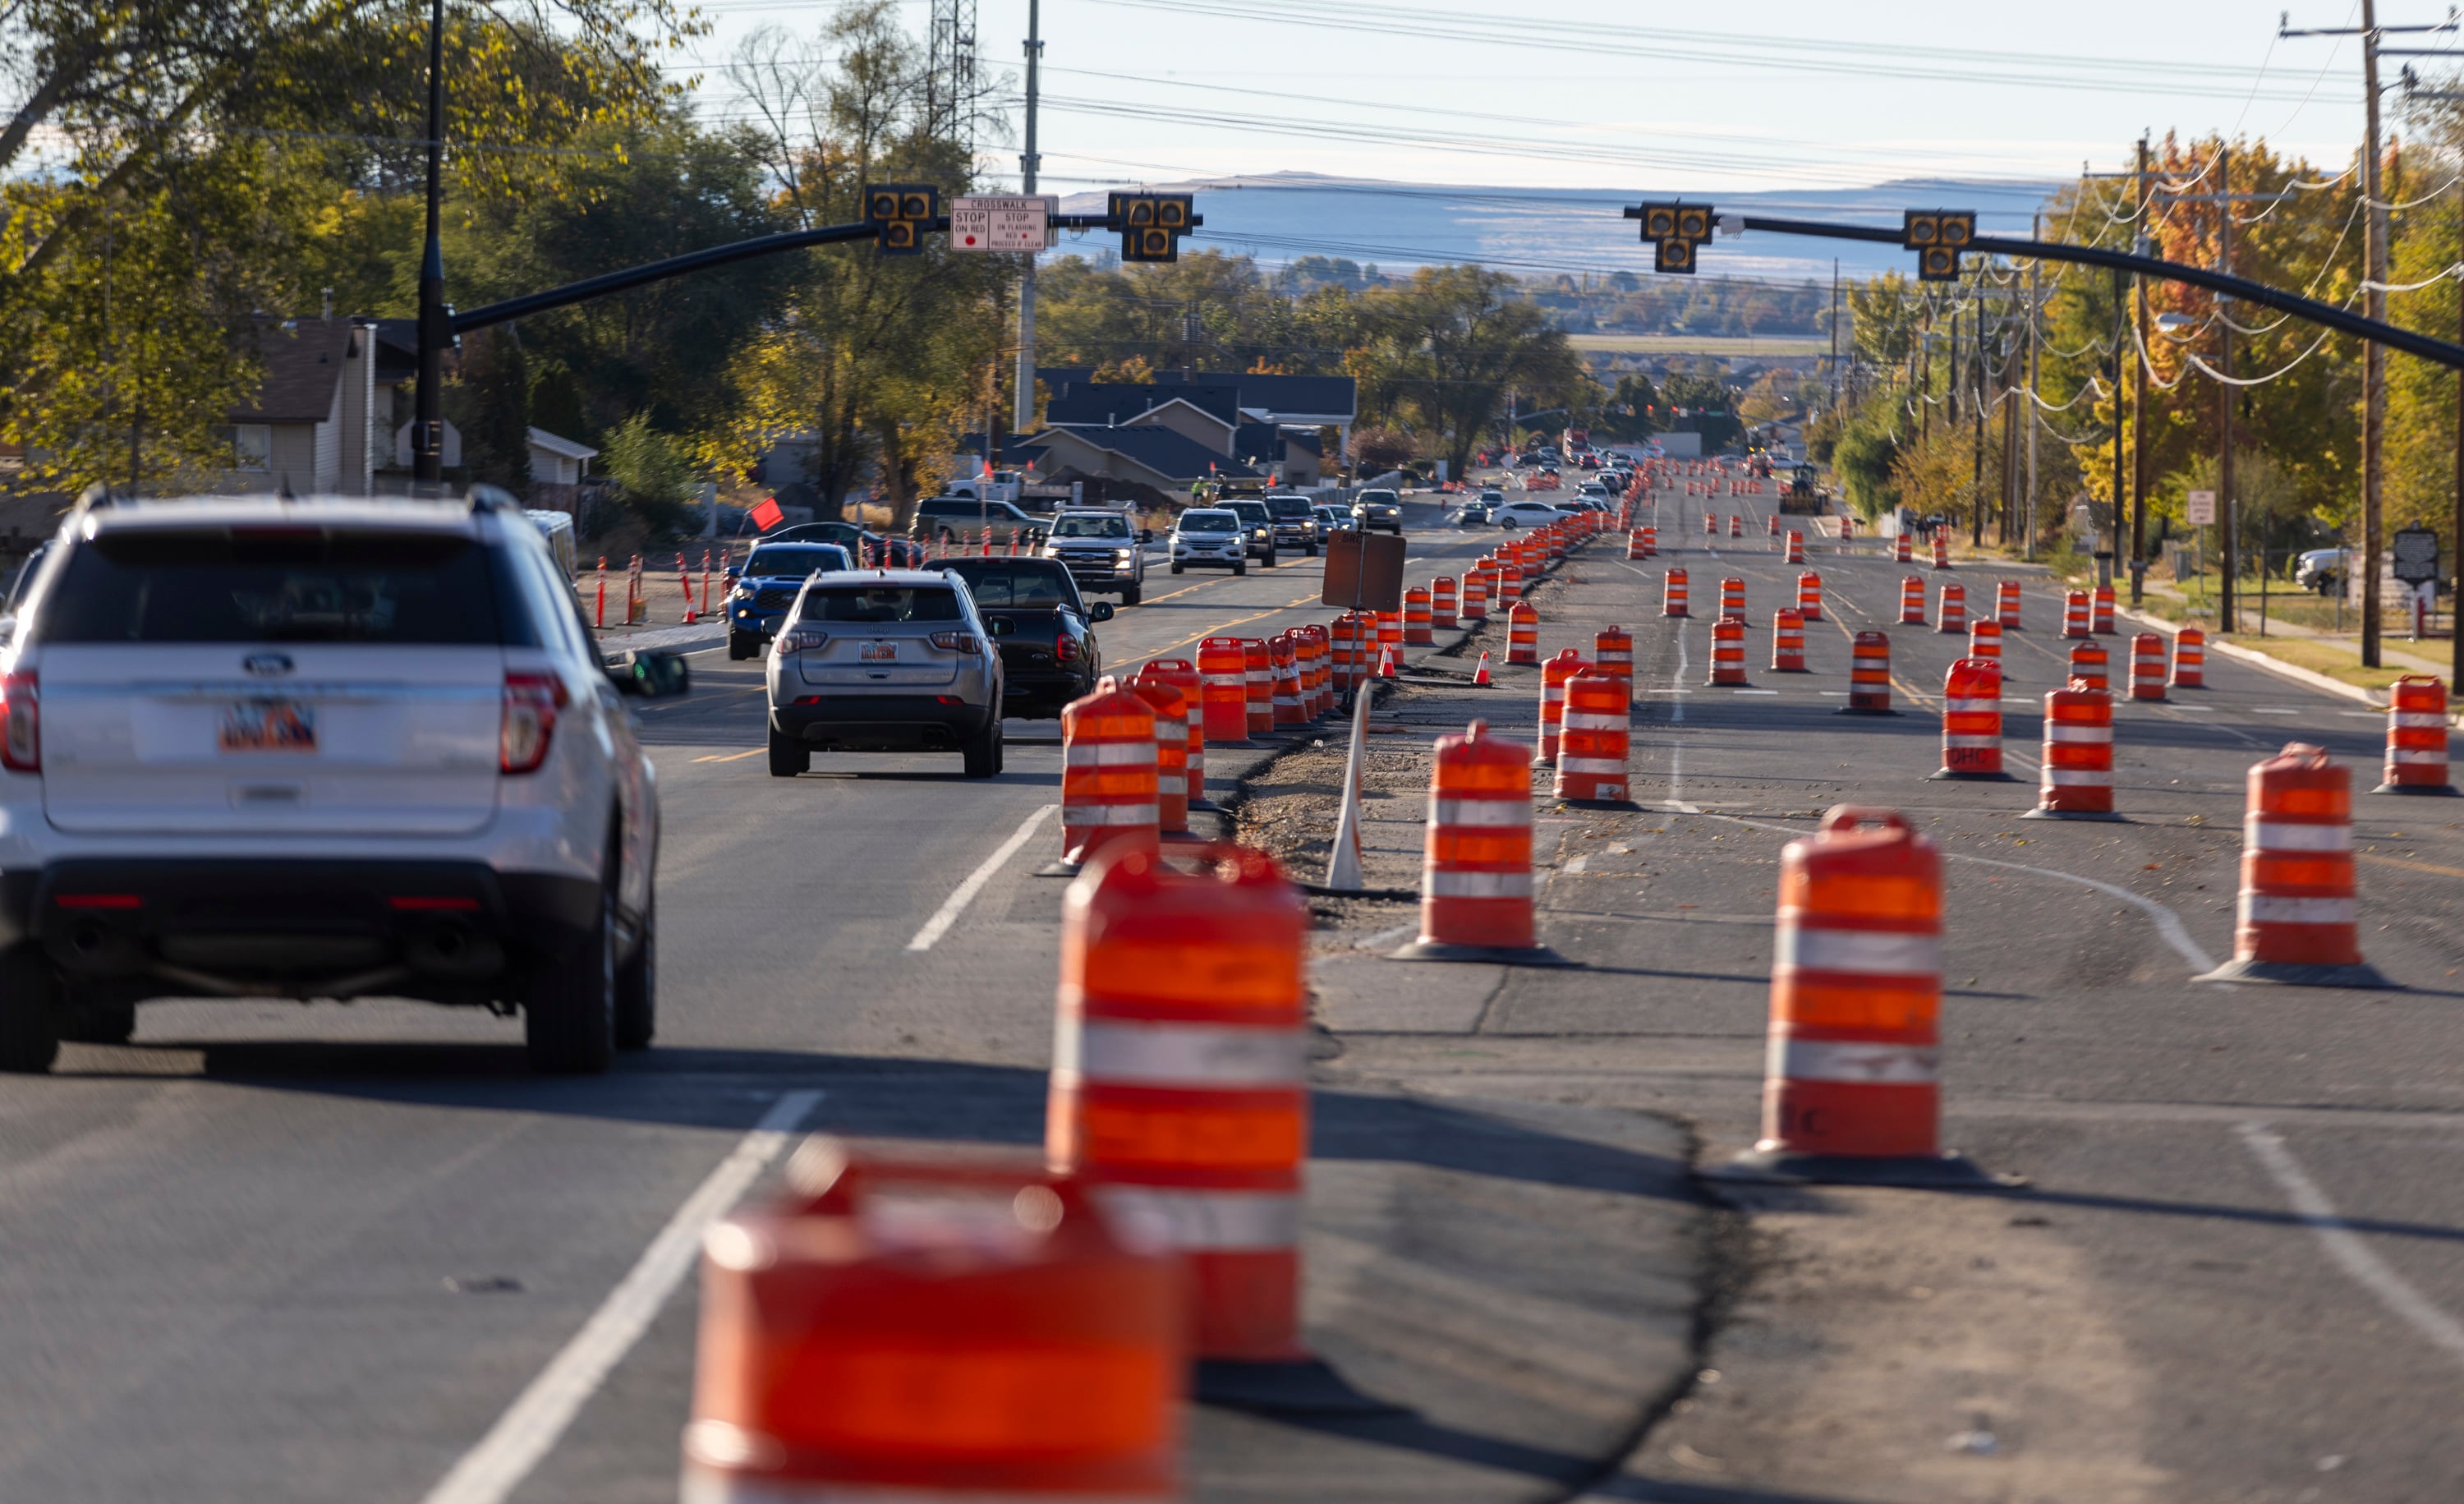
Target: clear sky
[{"x": 1649, "y": 98}]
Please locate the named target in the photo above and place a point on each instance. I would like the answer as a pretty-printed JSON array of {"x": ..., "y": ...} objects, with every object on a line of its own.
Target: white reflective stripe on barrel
[
  {"x": 2067, "y": 731},
  {"x": 1152, "y": 1054},
  {"x": 1591, "y": 764},
  {"x": 1594, "y": 720},
  {"x": 1971, "y": 741},
  {"x": 2259, "y": 908},
  {"x": 2279, "y": 837},
  {"x": 2078, "y": 778},
  {"x": 1108, "y": 754},
  {"x": 2429, "y": 757},
  {"x": 1436, "y": 884},
  {"x": 1207, "y": 1221},
  {"x": 1972, "y": 707},
  {"x": 2416, "y": 718},
  {"x": 1110, "y": 815},
  {"x": 1493, "y": 812},
  {"x": 1878, "y": 952},
  {"x": 1868, "y": 1062}
]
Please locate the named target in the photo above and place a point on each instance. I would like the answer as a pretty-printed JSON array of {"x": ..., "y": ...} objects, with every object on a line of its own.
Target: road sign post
[
  {"x": 1011, "y": 222},
  {"x": 2199, "y": 510}
]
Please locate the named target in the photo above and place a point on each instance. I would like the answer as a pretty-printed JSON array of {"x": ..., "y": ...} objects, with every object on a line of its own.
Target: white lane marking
[
  {"x": 2365, "y": 715},
  {"x": 1754, "y": 692},
  {"x": 2273, "y": 710},
  {"x": 2345, "y": 1247},
  {"x": 534, "y": 1422},
  {"x": 1676, "y": 719},
  {"x": 965, "y": 893}
]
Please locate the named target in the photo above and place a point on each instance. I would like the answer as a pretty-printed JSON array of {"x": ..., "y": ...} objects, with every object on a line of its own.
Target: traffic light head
[
  {"x": 900, "y": 214},
  {"x": 1152, "y": 224},
  {"x": 1938, "y": 235},
  {"x": 1673, "y": 231}
]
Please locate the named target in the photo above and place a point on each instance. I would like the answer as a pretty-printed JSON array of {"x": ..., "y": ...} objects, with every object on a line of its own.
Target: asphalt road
[{"x": 273, "y": 1253}]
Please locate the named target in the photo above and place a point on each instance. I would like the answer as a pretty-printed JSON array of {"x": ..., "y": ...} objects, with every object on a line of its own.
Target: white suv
[{"x": 319, "y": 749}]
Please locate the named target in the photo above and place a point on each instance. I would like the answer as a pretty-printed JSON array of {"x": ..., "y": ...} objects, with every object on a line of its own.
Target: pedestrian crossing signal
[
  {"x": 1937, "y": 235},
  {"x": 900, "y": 214},
  {"x": 1151, "y": 224},
  {"x": 1673, "y": 231}
]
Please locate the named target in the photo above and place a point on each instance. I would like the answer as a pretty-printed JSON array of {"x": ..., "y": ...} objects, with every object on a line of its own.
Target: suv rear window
[
  {"x": 278, "y": 583},
  {"x": 1208, "y": 523},
  {"x": 893, "y": 603}
]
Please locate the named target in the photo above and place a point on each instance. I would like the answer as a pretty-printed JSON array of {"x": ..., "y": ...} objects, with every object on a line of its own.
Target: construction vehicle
[{"x": 1803, "y": 498}]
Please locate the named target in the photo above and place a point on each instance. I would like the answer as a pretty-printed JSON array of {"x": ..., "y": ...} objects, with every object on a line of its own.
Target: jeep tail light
[
  {"x": 529, "y": 721},
  {"x": 21, "y": 723},
  {"x": 1064, "y": 648},
  {"x": 954, "y": 641},
  {"x": 803, "y": 639}
]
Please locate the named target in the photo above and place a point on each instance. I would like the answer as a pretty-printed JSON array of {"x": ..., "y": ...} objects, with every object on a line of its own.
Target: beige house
[{"x": 313, "y": 425}]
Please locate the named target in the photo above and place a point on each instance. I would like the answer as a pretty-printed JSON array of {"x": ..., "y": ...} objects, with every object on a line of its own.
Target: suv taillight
[
  {"x": 803, "y": 639},
  {"x": 21, "y": 723},
  {"x": 954, "y": 641},
  {"x": 529, "y": 721}
]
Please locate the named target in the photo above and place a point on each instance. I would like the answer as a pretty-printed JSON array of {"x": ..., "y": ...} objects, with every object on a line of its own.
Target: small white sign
[
  {"x": 1001, "y": 224},
  {"x": 2202, "y": 508}
]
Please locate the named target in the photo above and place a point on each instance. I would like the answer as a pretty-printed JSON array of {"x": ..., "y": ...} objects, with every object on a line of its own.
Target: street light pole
[
  {"x": 428, "y": 426},
  {"x": 1022, "y": 396}
]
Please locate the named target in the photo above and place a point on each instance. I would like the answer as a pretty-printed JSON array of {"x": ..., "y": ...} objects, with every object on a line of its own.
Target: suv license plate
[
  {"x": 878, "y": 651},
  {"x": 269, "y": 725}
]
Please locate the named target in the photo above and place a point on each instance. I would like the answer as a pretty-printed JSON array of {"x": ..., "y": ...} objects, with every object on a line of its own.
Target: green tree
[
  {"x": 654, "y": 474},
  {"x": 1447, "y": 347}
]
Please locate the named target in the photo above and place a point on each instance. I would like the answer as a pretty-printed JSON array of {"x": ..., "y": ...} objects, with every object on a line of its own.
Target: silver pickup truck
[{"x": 1102, "y": 551}]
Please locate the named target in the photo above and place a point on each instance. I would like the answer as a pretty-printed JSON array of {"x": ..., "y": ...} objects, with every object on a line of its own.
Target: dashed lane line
[
  {"x": 731, "y": 757},
  {"x": 537, "y": 1419},
  {"x": 965, "y": 893}
]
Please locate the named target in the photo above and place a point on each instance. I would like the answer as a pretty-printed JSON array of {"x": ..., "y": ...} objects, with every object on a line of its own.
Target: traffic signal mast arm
[{"x": 2343, "y": 321}]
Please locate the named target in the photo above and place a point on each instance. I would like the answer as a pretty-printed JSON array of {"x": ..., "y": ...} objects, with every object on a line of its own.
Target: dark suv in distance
[
  {"x": 1256, "y": 528},
  {"x": 1295, "y": 521},
  {"x": 1045, "y": 630}
]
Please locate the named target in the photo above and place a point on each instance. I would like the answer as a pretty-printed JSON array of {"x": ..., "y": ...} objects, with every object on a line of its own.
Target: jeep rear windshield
[
  {"x": 280, "y": 584},
  {"x": 892, "y": 603}
]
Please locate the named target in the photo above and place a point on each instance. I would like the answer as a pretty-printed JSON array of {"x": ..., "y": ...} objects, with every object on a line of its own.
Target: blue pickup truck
[{"x": 766, "y": 586}]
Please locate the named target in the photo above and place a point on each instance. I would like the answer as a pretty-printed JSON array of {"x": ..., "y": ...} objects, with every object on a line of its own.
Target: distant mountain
[{"x": 1281, "y": 217}]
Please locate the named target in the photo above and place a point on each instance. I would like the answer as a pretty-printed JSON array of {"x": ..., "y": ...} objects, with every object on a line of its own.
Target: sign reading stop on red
[{"x": 1002, "y": 224}]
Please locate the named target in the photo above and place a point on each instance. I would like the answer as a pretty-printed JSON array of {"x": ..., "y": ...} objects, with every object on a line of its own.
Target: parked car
[
  {"x": 1295, "y": 521},
  {"x": 1528, "y": 514},
  {"x": 893, "y": 660},
  {"x": 2322, "y": 569},
  {"x": 950, "y": 518},
  {"x": 1101, "y": 550},
  {"x": 1049, "y": 655},
  {"x": 1376, "y": 508},
  {"x": 765, "y": 588},
  {"x": 321, "y": 750},
  {"x": 1209, "y": 537},
  {"x": 1256, "y": 528}
]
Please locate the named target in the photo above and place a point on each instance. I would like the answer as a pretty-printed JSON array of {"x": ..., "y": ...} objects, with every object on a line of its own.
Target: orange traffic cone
[{"x": 1480, "y": 675}]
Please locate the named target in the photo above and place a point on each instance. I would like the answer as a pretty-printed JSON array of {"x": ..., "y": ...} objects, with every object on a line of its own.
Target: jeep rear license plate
[
  {"x": 878, "y": 651},
  {"x": 269, "y": 725}
]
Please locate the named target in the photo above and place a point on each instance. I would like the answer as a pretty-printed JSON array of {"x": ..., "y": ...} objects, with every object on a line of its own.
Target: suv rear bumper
[
  {"x": 294, "y": 927},
  {"x": 882, "y": 722}
]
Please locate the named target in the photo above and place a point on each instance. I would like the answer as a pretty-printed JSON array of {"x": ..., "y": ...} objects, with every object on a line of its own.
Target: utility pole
[
  {"x": 2374, "y": 262},
  {"x": 2226, "y": 395},
  {"x": 2036, "y": 416},
  {"x": 428, "y": 418},
  {"x": 1023, "y": 400},
  {"x": 1976, "y": 439},
  {"x": 2120, "y": 323},
  {"x": 1835, "y": 339},
  {"x": 2139, "y": 406}
]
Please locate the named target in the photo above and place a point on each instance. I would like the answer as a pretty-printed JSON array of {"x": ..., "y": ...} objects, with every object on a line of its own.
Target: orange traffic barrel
[
  {"x": 2075, "y": 614},
  {"x": 1390, "y": 630},
  {"x": 1416, "y": 617},
  {"x": 2298, "y": 920},
  {"x": 1773, "y": 522},
  {"x": 1796, "y": 546},
  {"x": 1711, "y": 522},
  {"x": 1788, "y": 642},
  {"x": 2147, "y": 666},
  {"x": 1108, "y": 775},
  {"x": 1613, "y": 654},
  {"x": 1180, "y": 1077},
  {"x": 1732, "y": 597},
  {"x": 1912, "y": 601},
  {"x": 1901, "y": 551},
  {"x": 1476, "y": 872},
  {"x": 1509, "y": 579},
  {"x": 1869, "y": 675},
  {"x": 1258, "y": 675},
  {"x": 2190, "y": 658},
  {"x": 1223, "y": 702},
  {"x": 2006, "y": 604},
  {"x": 2088, "y": 662},
  {"x": 1971, "y": 722},
  {"x": 2103, "y": 622},
  {"x": 1553, "y": 675},
  {"x": 1634, "y": 546},
  {"x": 1847, "y": 526},
  {"x": 2417, "y": 738},
  {"x": 1984, "y": 640},
  {"x": 1523, "y": 635},
  {"x": 935, "y": 1330},
  {"x": 1172, "y": 750},
  {"x": 1672, "y": 594},
  {"x": 1284, "y": 683},
  {"x": 1852, "y": 1089},
  {"x": 1477, "y": 583},
  {"x": 1442, "y": 612},
  {"x": 1809, "y": 596},
  {"x": 1728, "y": 652},
  {"x": 1319, "y": 644},
  {"x": 2076, "y": 779},
  {"x": 1555, "y": 543},
  {"x": 1953, "y": 615},
  {"x": 1181, "y": 676},
  {"x": 1650, "y": 537},
  {"x": 1941, "y": 548},
  {"x": 1736, "y": 525}
]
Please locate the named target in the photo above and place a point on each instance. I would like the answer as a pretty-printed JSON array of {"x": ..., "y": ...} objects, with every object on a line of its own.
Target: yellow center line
[
  {"x": 1217, "y": 629},
  {"x": 2416, "y": 867},
  {"x": 731, "y": 757}
]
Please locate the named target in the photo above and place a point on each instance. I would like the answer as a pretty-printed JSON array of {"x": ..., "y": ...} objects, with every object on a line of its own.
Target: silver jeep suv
[
  {"x": 333, "y": 748},
  {"x": 886, "y": 660}
]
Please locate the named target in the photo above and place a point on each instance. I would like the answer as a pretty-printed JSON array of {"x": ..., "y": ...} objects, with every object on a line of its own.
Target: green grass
[{"x": 1699, "y": 344}]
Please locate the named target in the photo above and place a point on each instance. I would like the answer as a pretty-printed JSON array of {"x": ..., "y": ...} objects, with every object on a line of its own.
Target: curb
[{"x": 2275, "y": 665}]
